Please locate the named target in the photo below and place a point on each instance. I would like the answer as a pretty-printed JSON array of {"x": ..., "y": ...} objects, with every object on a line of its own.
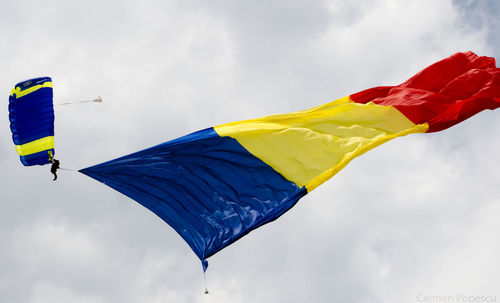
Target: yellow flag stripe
[
  {"x": 19, "y": 93},
  {"x": 310, "y": 146},
  {"x": 35, "y": 146},
  {"x": 315, "y": 182}
]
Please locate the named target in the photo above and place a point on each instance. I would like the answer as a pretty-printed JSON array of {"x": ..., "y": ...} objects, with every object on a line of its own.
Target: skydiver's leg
[{"x": 55, "y": 176}]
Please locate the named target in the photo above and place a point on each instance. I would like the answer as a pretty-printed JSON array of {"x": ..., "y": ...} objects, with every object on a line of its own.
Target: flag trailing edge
[{"x": 216, "y": 185}]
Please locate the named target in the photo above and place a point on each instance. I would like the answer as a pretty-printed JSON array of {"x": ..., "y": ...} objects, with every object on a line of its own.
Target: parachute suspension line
[
  {"x": 98, "y": 100},
  {"x": 68, "y": 169}
]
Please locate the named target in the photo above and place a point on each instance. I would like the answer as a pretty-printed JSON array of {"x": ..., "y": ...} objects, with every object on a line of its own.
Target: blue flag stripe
[{"x": 209, "y": 188}]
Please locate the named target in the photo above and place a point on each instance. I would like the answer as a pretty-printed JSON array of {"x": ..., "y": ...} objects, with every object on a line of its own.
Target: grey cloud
[{"x": 413, "y": 215}]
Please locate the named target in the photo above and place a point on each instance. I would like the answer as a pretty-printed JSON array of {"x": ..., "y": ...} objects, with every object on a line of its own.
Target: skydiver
[{"x": 54, "y": 167}]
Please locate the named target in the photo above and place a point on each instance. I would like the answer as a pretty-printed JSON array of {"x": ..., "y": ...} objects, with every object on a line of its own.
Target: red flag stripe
[{"x": 443, "y": 94}]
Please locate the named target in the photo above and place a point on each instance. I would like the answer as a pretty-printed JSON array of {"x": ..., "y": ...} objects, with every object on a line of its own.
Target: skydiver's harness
[{"x": 55, "y": 165}]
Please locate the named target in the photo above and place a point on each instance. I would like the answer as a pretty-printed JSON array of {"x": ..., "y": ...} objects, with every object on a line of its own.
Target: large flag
[{"x": 218, "y": 184}]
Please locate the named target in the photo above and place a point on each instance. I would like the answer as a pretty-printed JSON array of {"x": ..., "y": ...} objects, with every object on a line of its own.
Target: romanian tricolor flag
[{"x": 216, "y": 185}]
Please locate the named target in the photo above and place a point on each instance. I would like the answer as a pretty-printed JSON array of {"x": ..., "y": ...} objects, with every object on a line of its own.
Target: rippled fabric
[
  {"x": 208, "y": 188},
  {"x": 443, "y": 94}
]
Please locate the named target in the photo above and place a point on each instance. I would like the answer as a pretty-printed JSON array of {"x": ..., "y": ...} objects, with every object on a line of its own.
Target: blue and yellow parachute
[{"x": 31, "y": 115}]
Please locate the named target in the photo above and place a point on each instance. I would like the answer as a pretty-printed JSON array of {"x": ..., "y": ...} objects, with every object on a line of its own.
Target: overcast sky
[{"x": 414, "y": 218}]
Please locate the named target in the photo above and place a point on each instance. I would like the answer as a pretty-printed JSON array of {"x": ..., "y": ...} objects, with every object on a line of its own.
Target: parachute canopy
[
  {"x": 31, "y": 115},
  {"x": 218, "y": 184}
]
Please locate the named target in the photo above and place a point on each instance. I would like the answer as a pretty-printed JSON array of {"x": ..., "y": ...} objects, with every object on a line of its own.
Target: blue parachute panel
[
  {"x": 31, "y": 115},
  {"x": 210, "y": 189},
  {"x": 39, "y": 158}
]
